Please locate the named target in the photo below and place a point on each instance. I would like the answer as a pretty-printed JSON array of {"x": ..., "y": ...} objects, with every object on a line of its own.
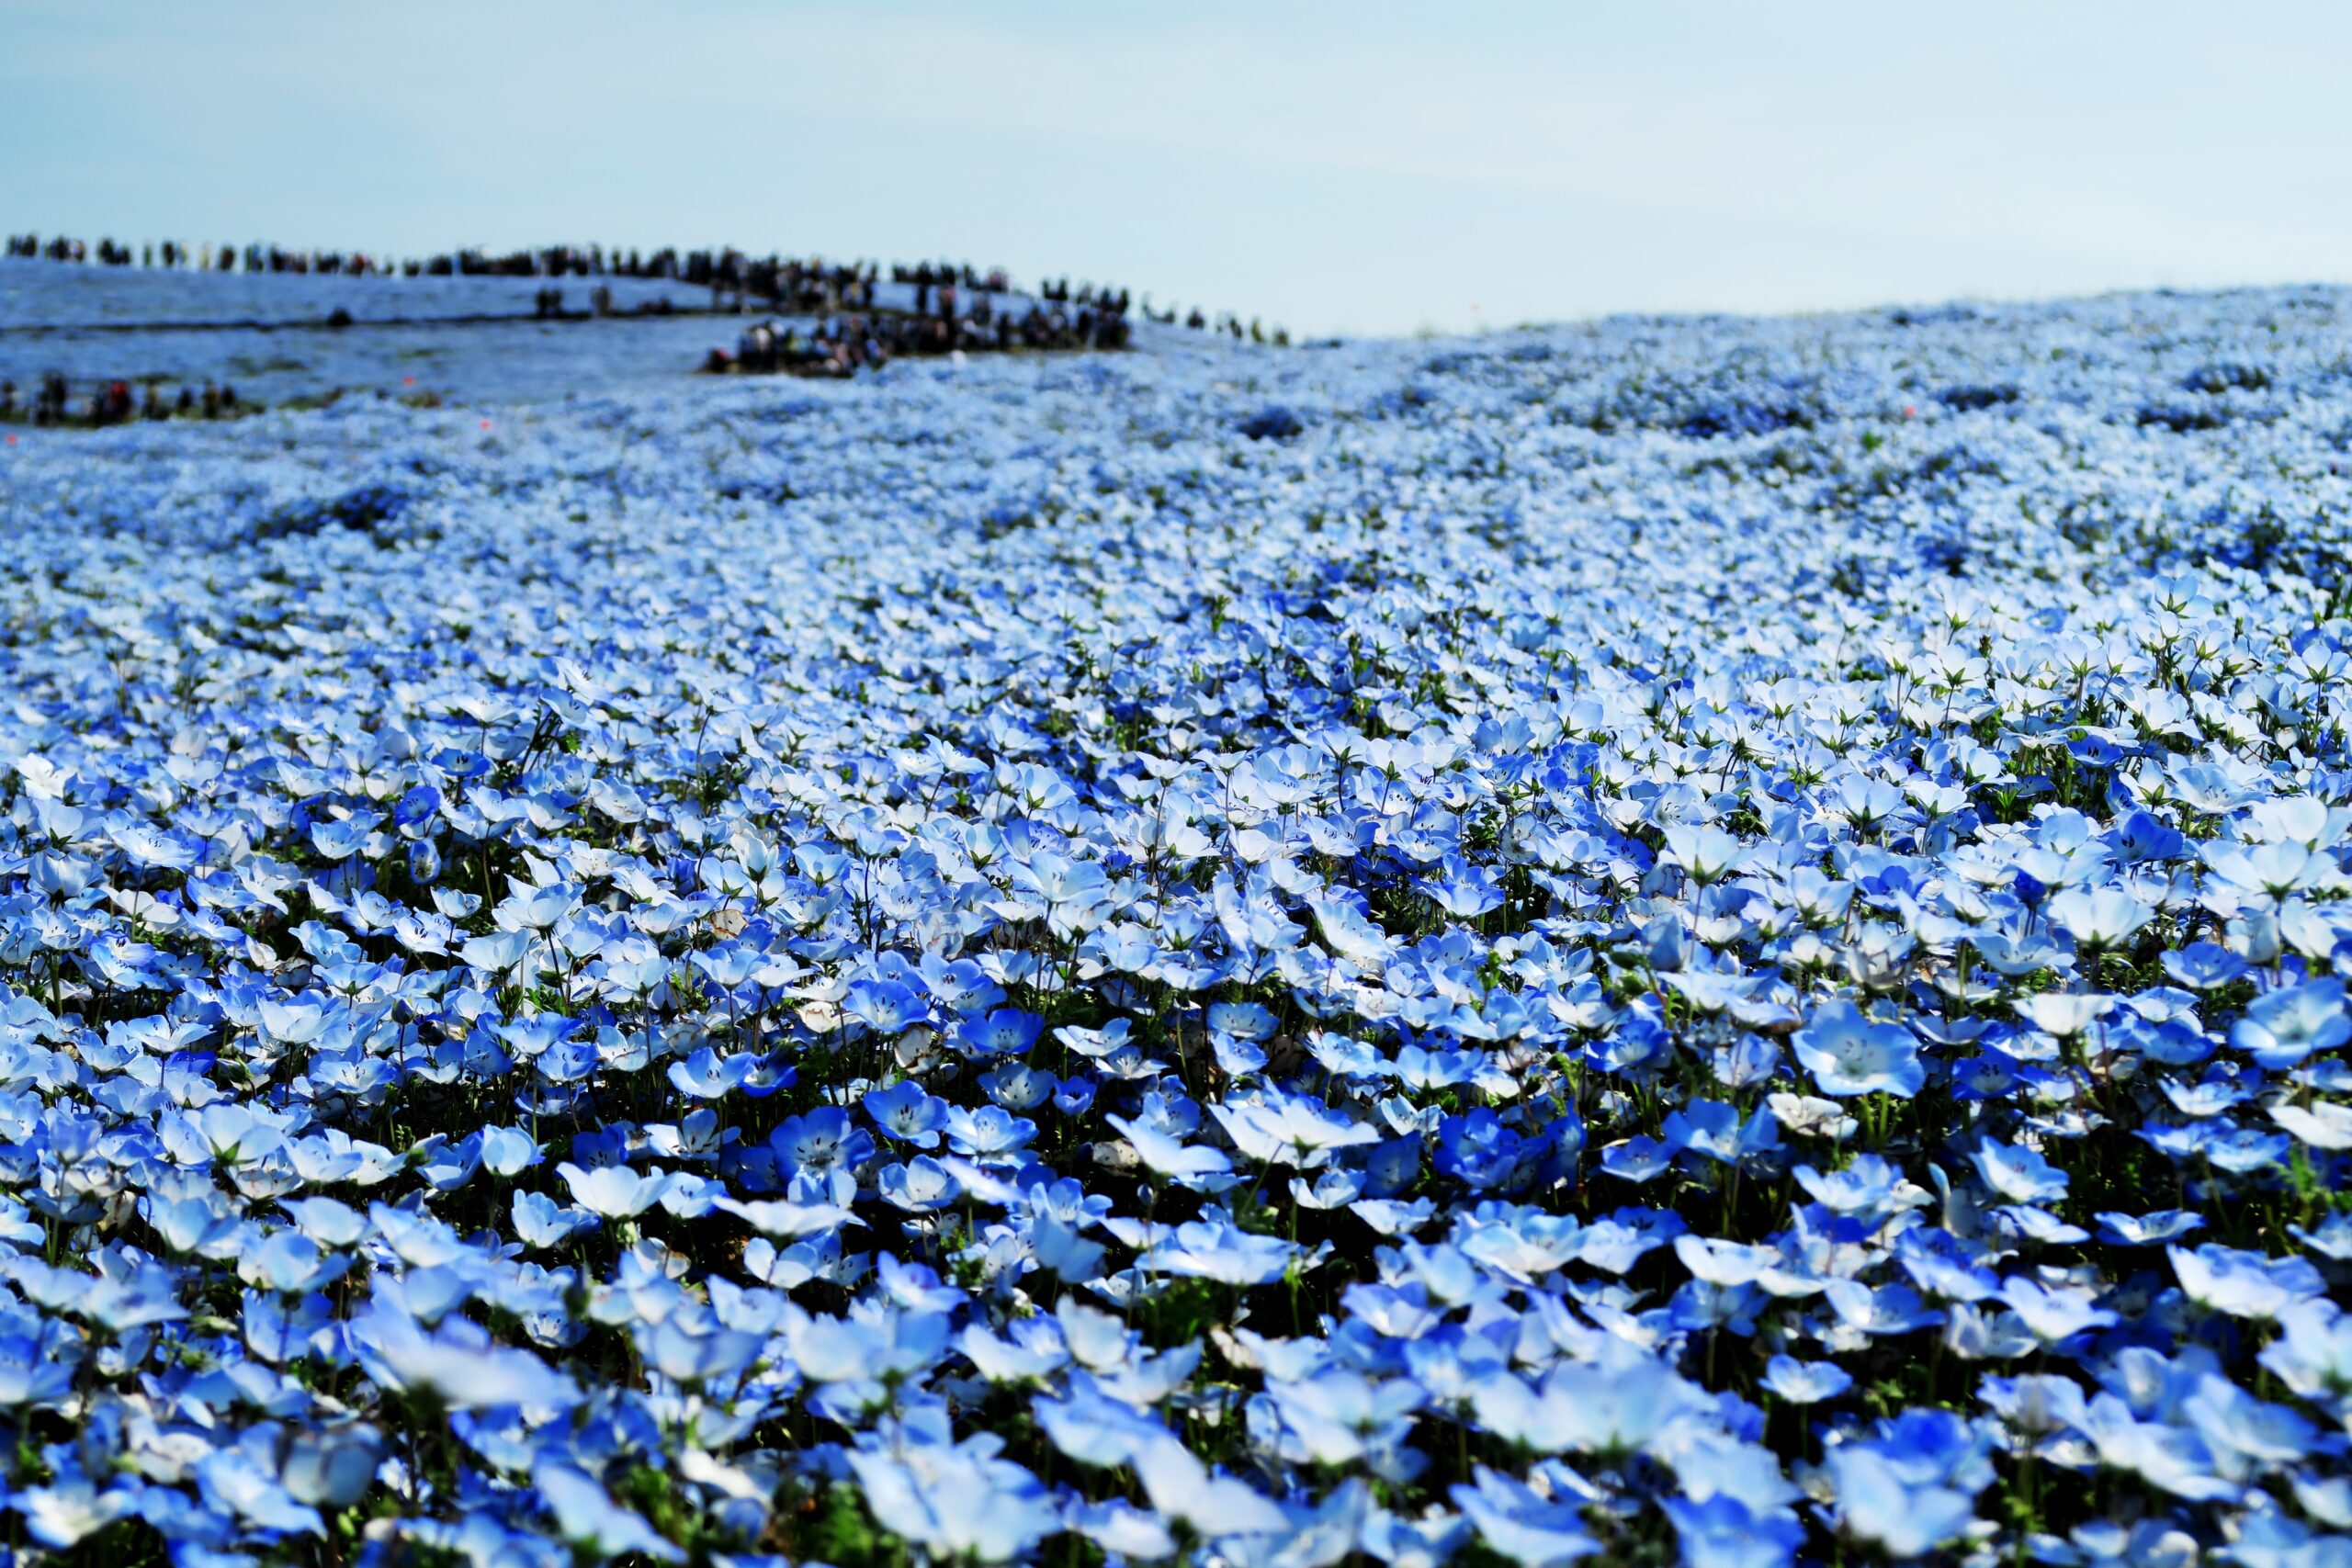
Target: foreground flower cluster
[{"x": 1704, "y": 942}]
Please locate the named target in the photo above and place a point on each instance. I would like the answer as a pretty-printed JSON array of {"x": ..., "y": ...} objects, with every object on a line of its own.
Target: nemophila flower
[
  {"x": 1462, "y": 890},
  {"x": 1806, "y": 1116},
  {"x": 1701, "y": 1306},
  {"x": 1721, "y": 1262},
  {"x": 2313, "y": 1355},
  {"x": 587, "y": 1516},
  {"x": 703, "y": 852},
  {"x": 1523, "y": 1245},
  {"x": 1170, "y": 1157},
  {"x": 613, "y": 1191},
  {"x": 2018, "y": 1174},
  {"x": 33, "y": 1374},
  {"x": 1018, "y": 1087},
  {"x": 2053, "y": 1315},
  {"x": 1289, "y": 1130},
  {"x": 459, "y": 1365},
  {"x": 2209, "y": 1098},
  {"x": 2243, "y": 1284},
  {"x": 1866, "y": 1187},
  {"x": 2097, "y": 918},
  {"x": 1889, "y": 1309},
  {"x": 2283, "y": 1027},
  {"x": 1806, "y": 1383},
  {"x": 1033, "y": 1350},
  {"x": 1875, "y": 1504},
  {"x": 507, "y": 1151},
  {"x": 821, "y": 1141},
  {"x": 533, "y": 1036},
  {"x": 1392, "y": 1217},
  {"x": 1217, "y": 1506},
  {"x": 191, "y": 1225},
  {"x": 687, "y": 1349},
  {"x": 2024, "y": 1222},
  {"x": 1716, "y": 1130},
  {"x": 2202, "y": 965},
  {"x": 2320, "y": 1125},
  {"x": 2064, "y": 1013},
  {"x": 1706, "y": 854},
  {"x": 1215, "y": 1248},
  {"x": 1609, "y": 1408},
  {"x": 1481, "y": 1151},
  {"x": 885, "y": 1006},
  {"x": 1850, "y": 1054},
  {"x": 1405, "y": 1542},
  {"x": 2332, "y": 1237},
  {"x": 2146, "y": 1230},
  {"x": 1522, "y": 1524},
  {"x": 235, "y": 1481},
  {"x": 2174, "y": 1458},
  {"x": 907, "y": 1113},
  {"x": 289, "y": 1263},
  {"x": 1007, "y": 1032},
  {"x": 766, "y": 1074},
  {"x": 705, "y": 1074},
  {"x": 990, "y": 1133},
  {"x": 2241, "y": 1150},
  {"x": 540, "y": 1222},
  {"x": 332, "y": 1467},
  {"x": 788, "y": 1218},
  {"x": 60, "y": 1516},
  {"x": 958, "y": 1501},
  {"x": 1340, "y": 1417},
  {"x": 2036, "y": 1405},
  {"x": 920, "y": 1186},
  {"x": 1417, "y": 1067},
  {"x": 1638, "y": 1159},
  {"x": 2275, "y": 869},
  {"x": 1348, "y": 929},
  {"x": 2247, "y": 1435},
  {"x": 1390, "y": 1166}
]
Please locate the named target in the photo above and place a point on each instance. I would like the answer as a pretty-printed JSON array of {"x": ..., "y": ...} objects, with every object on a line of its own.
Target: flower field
[{"x": 1707, "y": 940}]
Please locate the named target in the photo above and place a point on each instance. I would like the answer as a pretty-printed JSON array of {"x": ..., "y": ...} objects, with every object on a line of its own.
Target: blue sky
[{"x": 1368, "y": 166}]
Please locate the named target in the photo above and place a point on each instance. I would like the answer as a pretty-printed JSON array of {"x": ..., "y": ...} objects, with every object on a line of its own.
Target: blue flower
[
  {"x": 906, "y": 1113},
  {"x": 920, "y": 1186},
  {"x": 1876, "y": 1504},
  {"x": 1724, "y": 1532},
  {"x": 2018, "y": 1174},
  {"x": 2283, "y": 1027},
  {"x": 822, "y": 1141},
  {"x": 1480, "y": 1152},
  {"x": 1007, "y": 1032},
  {"x": 1806, "y": 1383},
  {"x": 990, "y": 1133},
  {"x": 1850, "y": 1054}
]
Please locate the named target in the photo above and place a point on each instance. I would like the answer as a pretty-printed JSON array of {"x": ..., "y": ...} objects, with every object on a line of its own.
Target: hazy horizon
[{"x": 1370, "y": 169}]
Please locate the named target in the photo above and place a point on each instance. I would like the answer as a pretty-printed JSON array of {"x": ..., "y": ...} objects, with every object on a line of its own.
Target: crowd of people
[
  {"x": 956, "y": 307},
  {"x": 736, "y": 280},
  {"x": 1226, "y": 323},
  {"x": 843, "y": 344},
  {"x": 113, "y": 403}
]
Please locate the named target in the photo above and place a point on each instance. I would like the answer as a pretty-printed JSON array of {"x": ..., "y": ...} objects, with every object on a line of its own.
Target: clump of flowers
[{"x": 1692, "y": 943}]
